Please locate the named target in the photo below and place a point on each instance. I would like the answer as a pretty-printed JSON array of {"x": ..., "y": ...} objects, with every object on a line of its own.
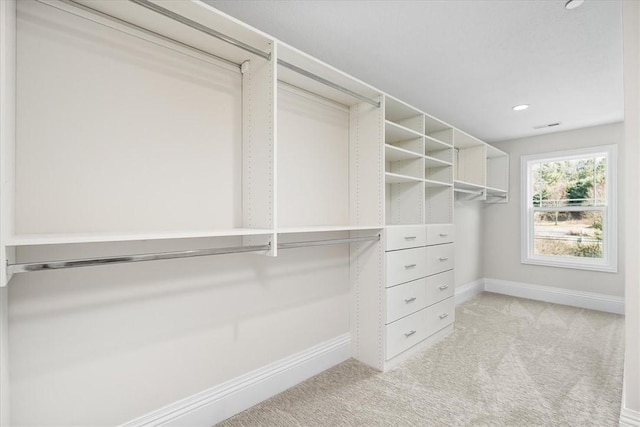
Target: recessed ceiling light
[
  {"x": 520, "y": 107},
  {"x": 572, "y": 4}
]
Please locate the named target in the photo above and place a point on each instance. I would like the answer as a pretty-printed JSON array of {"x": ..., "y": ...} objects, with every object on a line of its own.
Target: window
[{"x": 569, "y": 209}]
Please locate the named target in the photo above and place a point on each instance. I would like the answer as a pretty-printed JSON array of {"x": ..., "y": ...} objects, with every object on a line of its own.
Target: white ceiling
[{"x": 466, "y": 62}]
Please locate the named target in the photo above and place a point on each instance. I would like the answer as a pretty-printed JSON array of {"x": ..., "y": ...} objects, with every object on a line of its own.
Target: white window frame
[{"x": 609, "y": 262}]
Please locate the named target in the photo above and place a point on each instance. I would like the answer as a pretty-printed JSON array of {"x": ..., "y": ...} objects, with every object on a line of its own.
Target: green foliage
[
  {"x": 562, "y": 182},
  {"x": 588, "y": 250},
  {"x": 539, "y": 196},
  {"x": 577, "y": 191}
]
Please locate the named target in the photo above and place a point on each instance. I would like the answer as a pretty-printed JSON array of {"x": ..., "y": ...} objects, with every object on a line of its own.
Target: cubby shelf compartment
[
  {"x": 394, "y": 178},
  {"x": 396, "y": 133},
  {"x": 404, "y": 115},
  {"x": 437, "y": 130},
  {"x": 432, "y": 184},
  {"x": 394, "y": 154},
  {"x": 435, "y": 144},
  {"x": 432, "y": 162}
]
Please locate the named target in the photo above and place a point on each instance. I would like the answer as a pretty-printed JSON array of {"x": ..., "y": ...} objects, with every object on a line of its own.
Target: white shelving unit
[
  {"x": 418, "y": 166},
  {"x": 497, "y": 175},
  {"x": 186, "y": 136},
  {"x": 481, "y": 170}
]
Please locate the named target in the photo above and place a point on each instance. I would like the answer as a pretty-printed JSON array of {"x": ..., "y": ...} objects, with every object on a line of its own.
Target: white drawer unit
[
  {"x": 406, "y": 265},
  {"x": 405, "y": 299},
  {"x": 419, "y": 286},
  {"x": 440, "y": 258},
  {"x": 404, "y": 237},
  {"x": 438, "y": 234},
  {"x": 439, "y": 287}
]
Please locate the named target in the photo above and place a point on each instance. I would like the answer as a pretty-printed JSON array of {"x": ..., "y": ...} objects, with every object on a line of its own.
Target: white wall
[
  {"x": 468, "y": 219},
  {"x": 631, "y": 23},
  {"x": 502, "y": 221},
  {"x": 104, "y": 345}
]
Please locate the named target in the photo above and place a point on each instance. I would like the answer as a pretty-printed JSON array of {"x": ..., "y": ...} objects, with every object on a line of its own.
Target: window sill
[{"x": 604, "y": 267}]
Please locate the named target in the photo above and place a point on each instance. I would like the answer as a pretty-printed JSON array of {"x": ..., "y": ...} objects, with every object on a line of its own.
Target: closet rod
[
  {"x": 89, "y": 262},
  {"x": 475, "y": 192},
  {"x": 328, "y": 83},
  {"x": 99, "y": 14},
  {"x": 202, "y": 28}
]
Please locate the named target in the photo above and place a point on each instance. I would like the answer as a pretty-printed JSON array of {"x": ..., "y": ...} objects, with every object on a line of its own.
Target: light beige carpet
[{"x": 510, "y": 362}]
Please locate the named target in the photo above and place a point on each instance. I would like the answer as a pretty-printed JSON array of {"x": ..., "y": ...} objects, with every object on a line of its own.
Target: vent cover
[{"x": 549, "y": 125}]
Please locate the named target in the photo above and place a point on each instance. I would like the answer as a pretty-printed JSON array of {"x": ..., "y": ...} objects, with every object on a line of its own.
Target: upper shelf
[
  {"x": 464, "y": 140},
  {"x": 308, "y": 73},
  {"x": 68, "y": 238},
  {"x": 194, "y": 24}
]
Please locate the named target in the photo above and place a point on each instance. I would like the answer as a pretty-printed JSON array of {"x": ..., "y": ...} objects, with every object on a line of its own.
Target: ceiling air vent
[{"x": 549, "y": 125}]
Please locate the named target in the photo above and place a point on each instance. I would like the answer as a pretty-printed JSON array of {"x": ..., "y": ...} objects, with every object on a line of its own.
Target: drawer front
[
  {"x": 440, "y": 233},
  {"x": 406, "y": 299},
  {"x": 439, "y": 258},
  {"x": 406, "y": 333},
  {"x": 440, "y": 315},
  {"x": 406, "y": 265},
  {"x": 439, "y": 287},
  {"x": 405, "y": 237}
]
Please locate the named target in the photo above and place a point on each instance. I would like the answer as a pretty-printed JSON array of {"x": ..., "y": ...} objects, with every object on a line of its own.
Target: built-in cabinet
[
  {"x": 419, "y": 285},
  {"x": 168, "y": 132}
]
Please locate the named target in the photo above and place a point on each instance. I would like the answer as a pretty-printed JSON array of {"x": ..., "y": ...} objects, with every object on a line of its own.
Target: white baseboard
[
  {"x": 590, "y": 300},
  {"x": 469, "y": 291},
  {"x": 225, "y": 400},
  {"x": 629, "y": 417}
]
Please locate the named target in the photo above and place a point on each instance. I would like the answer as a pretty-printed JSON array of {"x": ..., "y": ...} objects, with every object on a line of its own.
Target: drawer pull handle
[
  {"x": 443, "y": 234},
  {"x": 408, "y": 334},
  {"x": 408, "y": 300},
  {"x": 410, "y": 237},
  {"x": 443, "y": 258},
  {"x": 410, "y": 266},
  {"x": 443, "y": 287},
  {"x": 444, "y": 316}
]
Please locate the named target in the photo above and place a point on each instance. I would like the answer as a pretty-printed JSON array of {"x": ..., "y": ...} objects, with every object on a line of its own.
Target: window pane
[
  {"x": 576, "y": 182},
  {"x": 568, "y": 233}
]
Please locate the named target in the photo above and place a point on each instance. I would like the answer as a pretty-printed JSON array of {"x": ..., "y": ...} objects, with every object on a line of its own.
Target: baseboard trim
[
  {"x": 225, "y": 400},
  {"x": 629, "y": 417},
  {"x": 469, "y": 291},
  {"x": 590, "y": 300}
]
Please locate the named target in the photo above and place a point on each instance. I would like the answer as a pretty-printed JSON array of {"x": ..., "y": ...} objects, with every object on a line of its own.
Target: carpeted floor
[{"x": 509, "y": 362}]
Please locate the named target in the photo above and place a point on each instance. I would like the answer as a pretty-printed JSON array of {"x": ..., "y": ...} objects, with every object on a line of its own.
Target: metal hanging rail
[
  {"x": 328, "y": 83},
  {"x": 209, "y": 31},
  {"x": 99, "y": 14},
  {"x": 202, "y": 28},
  {"x": 92, "y": 262}
]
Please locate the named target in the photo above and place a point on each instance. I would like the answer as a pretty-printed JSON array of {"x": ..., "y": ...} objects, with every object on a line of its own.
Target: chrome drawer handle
[
  {"x": 444, "y": 316},
  {"x": 443, "y": 287},
  {"x": 410, "y": 266},
  {"x": 408, "y": 300},
  {"x": 443, "y": 234},
  {"x": 410, "y": 237},
  {"x": 408, "y": 334},
  {"x": 443, "y": 258}
]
